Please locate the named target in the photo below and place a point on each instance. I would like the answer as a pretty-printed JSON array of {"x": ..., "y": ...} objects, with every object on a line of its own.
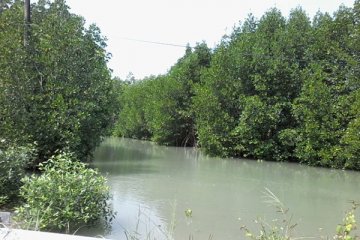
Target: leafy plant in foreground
[
  {"x": 345, "y": 230},
  {"x": 66, "y": 195}
]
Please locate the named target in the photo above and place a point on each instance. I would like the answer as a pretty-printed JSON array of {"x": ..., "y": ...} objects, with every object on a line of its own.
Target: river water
[{"x": 153, "y": 186}]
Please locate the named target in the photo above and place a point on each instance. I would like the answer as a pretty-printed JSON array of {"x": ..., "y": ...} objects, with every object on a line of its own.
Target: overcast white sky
[{"x": 174, "y": 21}]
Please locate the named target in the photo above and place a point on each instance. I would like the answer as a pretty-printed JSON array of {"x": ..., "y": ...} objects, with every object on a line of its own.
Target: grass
[{"x": 284, "y": 229}]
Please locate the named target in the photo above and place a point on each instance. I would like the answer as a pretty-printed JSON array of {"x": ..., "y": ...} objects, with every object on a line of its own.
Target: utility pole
[
  {"x": 2, "y": 6},
  {"x": 27, "y": 20}
]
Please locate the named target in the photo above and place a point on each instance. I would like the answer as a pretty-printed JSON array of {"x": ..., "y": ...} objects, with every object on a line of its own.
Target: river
[{"x": 153, "y": 186}]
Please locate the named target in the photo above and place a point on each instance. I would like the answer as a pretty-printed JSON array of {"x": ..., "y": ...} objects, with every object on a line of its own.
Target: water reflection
[{"x": 146, "y": 180}]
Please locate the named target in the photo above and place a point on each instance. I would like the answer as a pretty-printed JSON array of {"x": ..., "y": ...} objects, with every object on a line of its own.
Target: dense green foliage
[
  {"x": 13, "y": 162},
  {"x": 160, "y": 108},
  {"x": 57, "y": 91},
  {"x": 67, "y": 194},
  {"x": 277, "y": 88}
]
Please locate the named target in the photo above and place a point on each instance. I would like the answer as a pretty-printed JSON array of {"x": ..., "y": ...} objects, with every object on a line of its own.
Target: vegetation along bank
[
  {"x": 277, "y": 88},
  {"x": 57, "y": 101}
]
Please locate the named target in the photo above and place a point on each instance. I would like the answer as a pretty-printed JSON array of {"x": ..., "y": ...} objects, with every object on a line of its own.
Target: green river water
[{"x": 153, "y": 186}]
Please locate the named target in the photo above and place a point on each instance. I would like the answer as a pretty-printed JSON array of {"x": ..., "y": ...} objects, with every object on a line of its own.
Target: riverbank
[{"x": 18, "y": 234}]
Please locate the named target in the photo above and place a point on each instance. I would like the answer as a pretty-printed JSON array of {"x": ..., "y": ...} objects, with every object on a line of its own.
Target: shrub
[
  {"x": 13, "y": 162},
  {"x": 66, "y": 195}
]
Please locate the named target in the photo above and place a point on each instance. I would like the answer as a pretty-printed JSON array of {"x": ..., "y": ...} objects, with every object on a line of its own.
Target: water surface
[{"x": 152, "y": 186}]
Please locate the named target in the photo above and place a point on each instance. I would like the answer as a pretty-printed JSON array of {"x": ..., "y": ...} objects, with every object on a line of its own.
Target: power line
[
  {"x": 158, "y": 43},
  {"x": 243, "y": 54}
]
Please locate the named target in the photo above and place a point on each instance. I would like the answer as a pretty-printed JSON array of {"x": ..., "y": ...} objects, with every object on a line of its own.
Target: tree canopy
[
  {"x": 277, "y": 88},
  {"x": 57, "y": 91}
]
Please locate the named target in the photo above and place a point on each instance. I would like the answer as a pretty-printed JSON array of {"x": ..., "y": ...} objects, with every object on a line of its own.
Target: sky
[{"x": 177, "y": 22}]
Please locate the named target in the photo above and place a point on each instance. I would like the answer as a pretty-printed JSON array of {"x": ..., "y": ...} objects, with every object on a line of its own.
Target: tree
[
  {"x": 131, "y": 121},
  {"x": 275, "y": 88},
  {"x": 351, "y": 138},
  {"x": 315, "y": 112},
  {"x": 160, "y": 108},
  {"x": 57, "y": 92}
]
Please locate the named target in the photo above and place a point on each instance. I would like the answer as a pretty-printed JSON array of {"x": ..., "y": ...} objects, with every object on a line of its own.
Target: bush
[
  {"x": 66, "y": 195},
  {"x": 13, "y": 162}
]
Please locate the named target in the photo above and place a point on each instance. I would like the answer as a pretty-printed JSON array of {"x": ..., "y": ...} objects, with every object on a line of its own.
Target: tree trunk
[
  {"x": 2, "y": 6},
  {"x": 27, "y": 20}
]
